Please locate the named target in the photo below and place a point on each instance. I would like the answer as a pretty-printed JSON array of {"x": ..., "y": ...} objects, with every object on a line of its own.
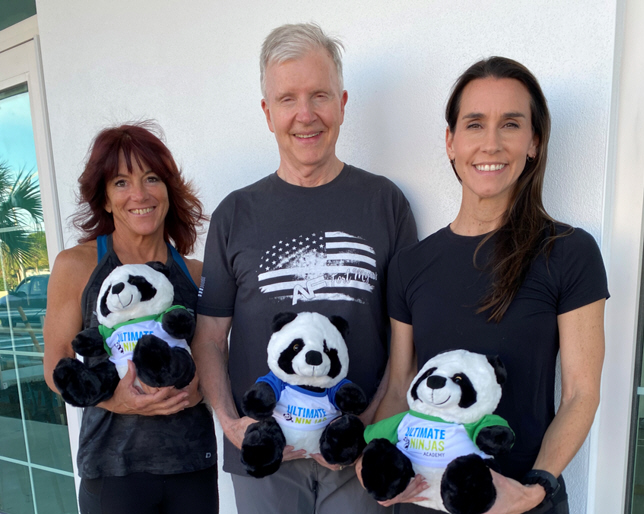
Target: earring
[{"x": 530, "y": 158}]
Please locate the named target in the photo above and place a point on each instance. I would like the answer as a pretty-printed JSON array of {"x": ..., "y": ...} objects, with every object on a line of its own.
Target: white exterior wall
[{"x": 193, "y": 66}]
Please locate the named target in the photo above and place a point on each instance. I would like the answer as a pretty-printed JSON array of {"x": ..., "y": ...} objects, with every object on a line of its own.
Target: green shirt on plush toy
[
  {"x": 431, "y": 441},
  {"x": 121, "y": 339}
]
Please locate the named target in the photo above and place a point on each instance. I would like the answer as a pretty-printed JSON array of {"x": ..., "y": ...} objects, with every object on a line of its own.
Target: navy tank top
[{"x": 119, "y": 444}]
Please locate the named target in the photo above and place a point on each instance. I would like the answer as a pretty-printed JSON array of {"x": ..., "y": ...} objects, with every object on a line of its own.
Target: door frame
[
  {"x": 622, "y": 240},
  {"x": 20, "y": 61}
]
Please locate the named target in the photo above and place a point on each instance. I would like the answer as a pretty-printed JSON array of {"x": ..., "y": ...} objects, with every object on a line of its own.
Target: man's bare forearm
[{"x": 210, "y": 352}]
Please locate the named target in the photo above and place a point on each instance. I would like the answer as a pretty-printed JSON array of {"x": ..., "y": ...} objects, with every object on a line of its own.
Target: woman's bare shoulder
[
  {"x": 194, "y": 267},
  {"x": 77, "y": 262}
]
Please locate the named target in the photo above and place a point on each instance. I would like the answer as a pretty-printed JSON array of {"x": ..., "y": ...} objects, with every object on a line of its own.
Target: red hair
[{"x": 138, "y": 141}]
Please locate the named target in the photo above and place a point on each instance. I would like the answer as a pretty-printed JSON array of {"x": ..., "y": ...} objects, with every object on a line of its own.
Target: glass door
[
  {"x": 36, "y": 471},
  {"x": 636, "y": 464}
]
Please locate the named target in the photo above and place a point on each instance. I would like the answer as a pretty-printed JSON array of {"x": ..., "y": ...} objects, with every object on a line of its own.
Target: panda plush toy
[
  {"x": 305, "y": 401},
  {"x": 449, "y": 436},
  {"x": 137, "y": 322}
]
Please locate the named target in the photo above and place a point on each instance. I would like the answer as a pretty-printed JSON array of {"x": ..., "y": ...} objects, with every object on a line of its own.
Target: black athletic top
[
  {"x": 435, "y": 287},
  {"x": 119, "y": 444}
]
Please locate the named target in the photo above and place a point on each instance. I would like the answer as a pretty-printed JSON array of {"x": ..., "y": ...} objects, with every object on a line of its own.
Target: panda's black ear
[
  {"x": 160, "y": 267},
  {"x": 281, "y": 319},
  {"x": 499, "y": 368},
  {"x": 341, "y": 324}
]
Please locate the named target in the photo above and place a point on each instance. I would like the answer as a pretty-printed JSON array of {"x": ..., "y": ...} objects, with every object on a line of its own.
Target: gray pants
[{"x": 304, "y": 487}]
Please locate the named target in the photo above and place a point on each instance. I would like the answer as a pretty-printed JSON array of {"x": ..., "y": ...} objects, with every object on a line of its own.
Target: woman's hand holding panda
[
  {"x": 194, "y": 394},
  {"x": 411, "y": 494},
  {"x": 128, "y": 399},
  {"x": 513, "y": 497}
]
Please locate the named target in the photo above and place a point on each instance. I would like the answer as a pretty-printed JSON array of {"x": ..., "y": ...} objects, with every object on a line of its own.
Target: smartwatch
[{"x": 544, "y": 479}]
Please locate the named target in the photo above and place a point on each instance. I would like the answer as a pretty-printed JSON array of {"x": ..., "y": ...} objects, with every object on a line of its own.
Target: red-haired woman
[
  {"x": 145, "y": 450},
  {"x": 505, "y": 279}
]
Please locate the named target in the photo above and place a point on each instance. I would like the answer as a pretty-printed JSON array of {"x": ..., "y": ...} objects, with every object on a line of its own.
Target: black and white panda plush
[
  {"x": 449, "y": 435},
  {"x": 137, "y": 322},
  {"x": 305, "y": 401}
]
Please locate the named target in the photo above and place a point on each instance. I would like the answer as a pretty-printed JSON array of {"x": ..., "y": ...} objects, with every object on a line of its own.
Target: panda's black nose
[
  {"x": 313, "y": 358},
  {"x": 117, "y": 288},
  {"x": 436, "y": 382}
]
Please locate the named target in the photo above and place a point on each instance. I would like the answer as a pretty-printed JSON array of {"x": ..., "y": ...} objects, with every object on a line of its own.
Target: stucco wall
[{"x": 193, "y": 66}]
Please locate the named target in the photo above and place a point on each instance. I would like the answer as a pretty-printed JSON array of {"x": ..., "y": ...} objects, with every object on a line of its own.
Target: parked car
[{"x": 31, "y": 296}]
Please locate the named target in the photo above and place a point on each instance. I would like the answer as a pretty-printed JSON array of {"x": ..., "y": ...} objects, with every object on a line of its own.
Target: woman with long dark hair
[
  {"x": 145, "y": 450},
  {"x": 505, "y": 279}
]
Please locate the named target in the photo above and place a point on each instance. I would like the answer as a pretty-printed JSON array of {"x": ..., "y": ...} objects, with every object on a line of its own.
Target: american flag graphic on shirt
[{"x": 319, "y": 266}]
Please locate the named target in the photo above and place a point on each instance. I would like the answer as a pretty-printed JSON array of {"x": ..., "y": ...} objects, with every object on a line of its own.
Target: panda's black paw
[
  {"x": 351, "y": 399},
  {"x": 81, "y": 386},
  {"x": 342, "y": 441},
  {"x": 386, "y": 471},
  {"x": 179, "y": 323},
  {"x": 466, "y": 486},
  {"x": 495, "y": 440},
  {"x": 259, "y": 401},
  {"x": 159, "y": 365},
  {"x": 262, "y": 448},
  {"x": 89, "y": 343}
]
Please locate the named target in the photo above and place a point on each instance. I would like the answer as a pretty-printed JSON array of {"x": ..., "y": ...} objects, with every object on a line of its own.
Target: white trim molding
[
  {"x": 623, "y": 226},
  {"x": 19, "y": 33},
  {"x": 20, "y": 61}
]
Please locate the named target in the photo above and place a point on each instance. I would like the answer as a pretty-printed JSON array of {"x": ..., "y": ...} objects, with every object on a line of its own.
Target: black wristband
[{"x": 544, "y": 479}]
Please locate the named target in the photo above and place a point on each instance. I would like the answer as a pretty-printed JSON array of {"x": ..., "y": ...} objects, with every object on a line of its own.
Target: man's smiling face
[{"x": 304, "y": 108}]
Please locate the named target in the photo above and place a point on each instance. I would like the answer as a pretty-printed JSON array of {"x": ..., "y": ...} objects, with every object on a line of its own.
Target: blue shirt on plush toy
[{"x": 303, "y": 409}]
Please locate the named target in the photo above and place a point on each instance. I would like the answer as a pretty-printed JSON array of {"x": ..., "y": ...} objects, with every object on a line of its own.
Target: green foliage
[{"x": 20, "y": 223}]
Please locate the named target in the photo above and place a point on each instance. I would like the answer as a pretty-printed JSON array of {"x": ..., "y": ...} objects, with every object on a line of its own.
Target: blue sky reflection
[{"x": 17, "y": 146}]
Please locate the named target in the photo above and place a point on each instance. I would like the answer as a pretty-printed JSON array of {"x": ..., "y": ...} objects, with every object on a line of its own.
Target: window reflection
[{"x": 35, "y": 455}]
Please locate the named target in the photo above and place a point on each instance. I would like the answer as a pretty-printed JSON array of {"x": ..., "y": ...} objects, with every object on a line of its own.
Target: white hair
[{"x": 293, "y": 41}]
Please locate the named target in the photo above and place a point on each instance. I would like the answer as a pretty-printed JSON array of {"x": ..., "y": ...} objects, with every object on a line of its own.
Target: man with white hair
[{"x": 316, "y": 235}]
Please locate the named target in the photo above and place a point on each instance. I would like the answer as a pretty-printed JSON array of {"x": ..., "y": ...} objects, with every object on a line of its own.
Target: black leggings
[{"x": 144, "y": 493}]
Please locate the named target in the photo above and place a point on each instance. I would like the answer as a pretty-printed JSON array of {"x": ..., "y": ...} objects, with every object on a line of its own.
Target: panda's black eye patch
[
  {"x": 423, "y": 377},
  {"x": 468, "y": 393},
  {"x": 105, "y": 311},
  {"x": 336, "y": 366},
  {"x": 285, "y": 362},
  {"x": 147, "y": 290}
]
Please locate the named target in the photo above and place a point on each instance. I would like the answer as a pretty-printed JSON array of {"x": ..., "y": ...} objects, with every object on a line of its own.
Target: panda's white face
[
  {"x": 457, "y": 386},
  {"x": 308, "y": 351},
  {"x": 132, "y": 291}
]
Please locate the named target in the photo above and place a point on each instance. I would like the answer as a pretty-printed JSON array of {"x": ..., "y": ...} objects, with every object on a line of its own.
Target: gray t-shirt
[{"x": 274, "y": 247}]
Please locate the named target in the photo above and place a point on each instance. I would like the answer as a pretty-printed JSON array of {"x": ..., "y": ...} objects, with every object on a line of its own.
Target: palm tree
[{"x": 20, "y": 206}]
